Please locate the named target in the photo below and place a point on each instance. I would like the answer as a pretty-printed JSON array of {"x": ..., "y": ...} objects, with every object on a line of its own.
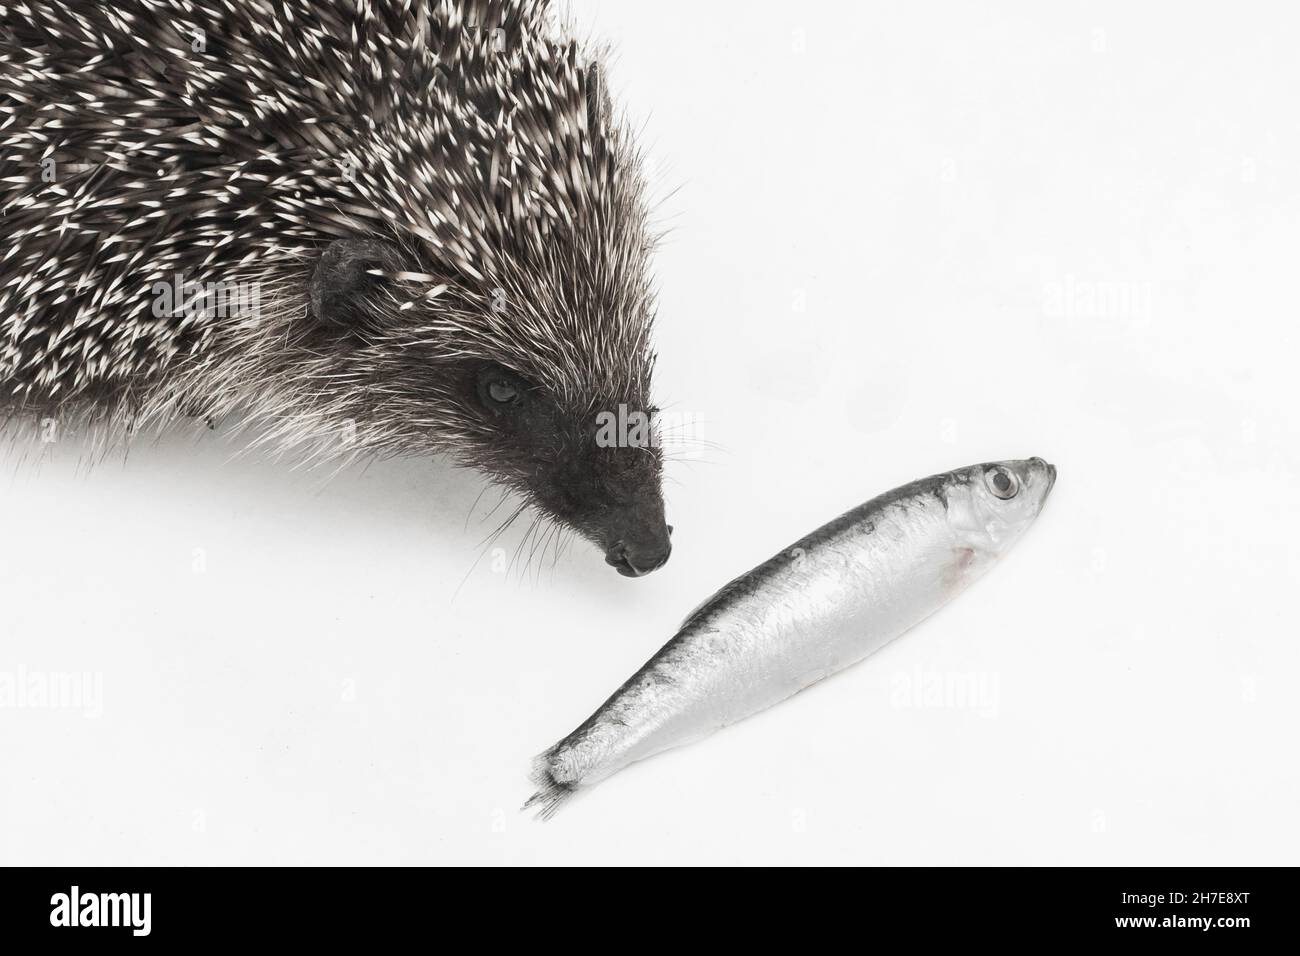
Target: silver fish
[{"x": 826, "y": 602}]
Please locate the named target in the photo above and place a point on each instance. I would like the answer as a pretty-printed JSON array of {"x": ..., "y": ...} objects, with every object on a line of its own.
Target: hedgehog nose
[{"x": 635, "y": 558}]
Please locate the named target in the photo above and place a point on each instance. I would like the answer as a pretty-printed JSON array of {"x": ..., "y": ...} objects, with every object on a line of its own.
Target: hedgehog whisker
[{"x": 486, "y": 545}]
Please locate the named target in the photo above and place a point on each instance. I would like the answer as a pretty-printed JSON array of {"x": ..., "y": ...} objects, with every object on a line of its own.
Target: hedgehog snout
[{"x": 634, "y": 556}]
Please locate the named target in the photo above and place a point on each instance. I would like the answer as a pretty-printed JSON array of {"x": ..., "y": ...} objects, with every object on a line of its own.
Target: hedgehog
[{"x": 379, "y": 227}]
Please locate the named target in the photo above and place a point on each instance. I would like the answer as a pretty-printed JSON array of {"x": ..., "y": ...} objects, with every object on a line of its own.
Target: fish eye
[{"x": 1001, "y": 482}]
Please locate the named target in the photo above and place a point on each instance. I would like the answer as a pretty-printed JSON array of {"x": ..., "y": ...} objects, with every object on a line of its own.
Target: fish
[{"x": 824, "y": 603}]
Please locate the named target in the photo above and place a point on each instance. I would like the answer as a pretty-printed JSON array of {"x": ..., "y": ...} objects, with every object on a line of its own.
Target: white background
[{"x": 908, "y": 237}]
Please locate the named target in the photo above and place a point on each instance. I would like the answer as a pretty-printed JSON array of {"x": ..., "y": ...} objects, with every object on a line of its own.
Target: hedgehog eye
[
  {"x": 500, "y": 389},
  {"x": 1001, "y": 482}
]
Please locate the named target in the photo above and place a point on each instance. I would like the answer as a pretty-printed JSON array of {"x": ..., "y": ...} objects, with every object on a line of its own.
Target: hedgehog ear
[{"x": 343, "y": 274}]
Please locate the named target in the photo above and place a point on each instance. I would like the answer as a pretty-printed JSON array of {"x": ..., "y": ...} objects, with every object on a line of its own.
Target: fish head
[{"x": 991, "y": 505}]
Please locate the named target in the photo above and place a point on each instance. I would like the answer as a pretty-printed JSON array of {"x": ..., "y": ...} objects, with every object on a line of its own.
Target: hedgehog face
[
  {"x": 559, "y": 451},
  {"x": 561, "y": 458}
]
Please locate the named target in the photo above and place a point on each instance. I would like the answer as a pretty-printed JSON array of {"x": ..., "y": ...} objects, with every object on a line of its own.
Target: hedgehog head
[
  {"x": 532, "y": 379},
  {"x": 442, "y": 225},
  {"x": 503, "y": 312}
]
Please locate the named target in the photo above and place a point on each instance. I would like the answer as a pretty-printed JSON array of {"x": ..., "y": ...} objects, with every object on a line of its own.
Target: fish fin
[
  {"x": 694, "y": 611},
  {"x": 551, "y": 793}
]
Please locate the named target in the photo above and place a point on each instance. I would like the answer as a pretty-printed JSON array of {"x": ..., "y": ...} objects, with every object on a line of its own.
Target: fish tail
[{"x": 551, "y": 793}]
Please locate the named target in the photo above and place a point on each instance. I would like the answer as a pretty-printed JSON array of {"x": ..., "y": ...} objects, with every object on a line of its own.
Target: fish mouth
[{"x": 1048, "y": 469}]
